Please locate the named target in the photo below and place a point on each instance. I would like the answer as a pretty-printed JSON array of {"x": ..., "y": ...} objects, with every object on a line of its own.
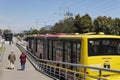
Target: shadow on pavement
[
  {"x": 20, "y": 69},
  {"x": 10, "y": 68}
]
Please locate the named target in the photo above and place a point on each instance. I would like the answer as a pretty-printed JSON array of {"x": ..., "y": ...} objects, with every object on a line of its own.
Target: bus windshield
[{"x": 105, "y": 46}]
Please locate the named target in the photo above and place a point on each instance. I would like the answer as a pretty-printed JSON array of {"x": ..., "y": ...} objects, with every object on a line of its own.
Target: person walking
[
  {"x": 12, "y": 58},
  {"x": 23, "y": 60}
]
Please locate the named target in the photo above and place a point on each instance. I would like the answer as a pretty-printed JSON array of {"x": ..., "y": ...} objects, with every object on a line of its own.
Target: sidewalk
[{"x": 28, "y": 74}]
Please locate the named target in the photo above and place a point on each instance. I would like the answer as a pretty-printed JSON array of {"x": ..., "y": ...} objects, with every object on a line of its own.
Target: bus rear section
[
  {"x": 8, "y": 36},
  {"x": 104, "y": 53}
]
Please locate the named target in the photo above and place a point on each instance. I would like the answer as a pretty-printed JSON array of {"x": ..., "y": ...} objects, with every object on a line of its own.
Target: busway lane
[{"x": 28, "y": 74}]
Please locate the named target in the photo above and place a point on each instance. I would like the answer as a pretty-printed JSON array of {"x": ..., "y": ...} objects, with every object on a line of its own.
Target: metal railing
[
  {"x": 57, "y": 70},
  {"x": 1, "y": 55}
]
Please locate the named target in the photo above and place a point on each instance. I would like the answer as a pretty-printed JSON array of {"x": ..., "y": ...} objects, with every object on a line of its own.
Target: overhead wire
[
  {"x": 106, "y": 9},
  {"x": 100, "y": 8}
]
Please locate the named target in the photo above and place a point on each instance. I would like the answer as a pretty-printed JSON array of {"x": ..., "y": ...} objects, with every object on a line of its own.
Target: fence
[
  {"x": 1, "y": 54},
  {"x": 55, "y": 70}
]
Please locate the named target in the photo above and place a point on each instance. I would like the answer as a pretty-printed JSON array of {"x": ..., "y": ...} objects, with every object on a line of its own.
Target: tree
[
  {"x": 58, "y": 27},
  {"x": 0, "y": 32},
  {"x": 34, "y": 31},
  {"x": 103, "y": 24},
  {"x": 7, "y": 31},
  {"x": 68, "y": 26},
  {"x": 86, "y": 23},
  {"x": 116, "y": 26},
  {"x": 43, "y": 31},
  {"x": 83, "y": 24},
  {"x": 77, "y": 23}
]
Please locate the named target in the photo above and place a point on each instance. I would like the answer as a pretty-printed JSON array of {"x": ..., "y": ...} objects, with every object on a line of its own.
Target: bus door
[{"x": 72, "y": 52}]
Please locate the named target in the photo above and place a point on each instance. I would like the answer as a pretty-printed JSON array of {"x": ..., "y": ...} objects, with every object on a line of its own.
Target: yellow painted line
[{"x": 72, "y": 71}]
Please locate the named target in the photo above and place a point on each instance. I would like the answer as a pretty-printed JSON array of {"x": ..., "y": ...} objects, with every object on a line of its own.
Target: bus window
[
  {"x": 29, "y": 44},
  {"x": 50, "y": 44},
  {"x": 103, "y": 46},
  {"x": 67, "y": 52},
  {"x": 40, "y": 48},
  {"x": 76, "y": 52},
  {"x": 72, "y": 52},
  {"x": 58, "y": 51},
  {"x": 32, "y": 45}
]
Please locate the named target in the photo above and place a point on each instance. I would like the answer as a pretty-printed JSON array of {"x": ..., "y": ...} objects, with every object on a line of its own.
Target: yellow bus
[
  {"x": 99, "y": 50},
  {"x": 96, "y": 50}
]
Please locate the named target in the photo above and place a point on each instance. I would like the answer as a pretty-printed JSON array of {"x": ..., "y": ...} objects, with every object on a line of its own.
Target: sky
[{"x": 20, "y": 15}]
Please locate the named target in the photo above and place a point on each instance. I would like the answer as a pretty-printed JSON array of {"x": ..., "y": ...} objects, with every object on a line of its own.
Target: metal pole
[
  {"x": 100, "y": 74},
  {"x": 84, "y": 73},
  {"x": 59, "y": 73},
  {"x": 54, "y": 71},
  {"x": 66, "y": 74},
  {"x": 74, "y": 76}
]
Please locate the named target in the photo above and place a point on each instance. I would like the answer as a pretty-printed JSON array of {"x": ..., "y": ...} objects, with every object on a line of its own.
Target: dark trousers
[{"x": 22, "y": 66}]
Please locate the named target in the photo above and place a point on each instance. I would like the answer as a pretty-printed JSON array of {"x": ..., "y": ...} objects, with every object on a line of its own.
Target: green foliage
[
  {"x": 116, "y": 26},
  {"x": 83, "y": 24},
  {"x": 58, "y": 28},
  {"x": 35, "y": 31},
  {"x": 106, "y": 25},
  {"x": 77, "y": 23},
  {"x": 0, "y": 31},
  {"x": 7, "y": 31},
  {"x": 20, "y": 34},
  {"x": 68, "y": 26},
  {"x": 86, "y": 23},
  {"x": 43, "y": 31}
]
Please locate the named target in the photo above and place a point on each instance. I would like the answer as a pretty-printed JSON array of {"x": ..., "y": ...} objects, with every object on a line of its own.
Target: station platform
[{"x": 30, "y": 73}]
